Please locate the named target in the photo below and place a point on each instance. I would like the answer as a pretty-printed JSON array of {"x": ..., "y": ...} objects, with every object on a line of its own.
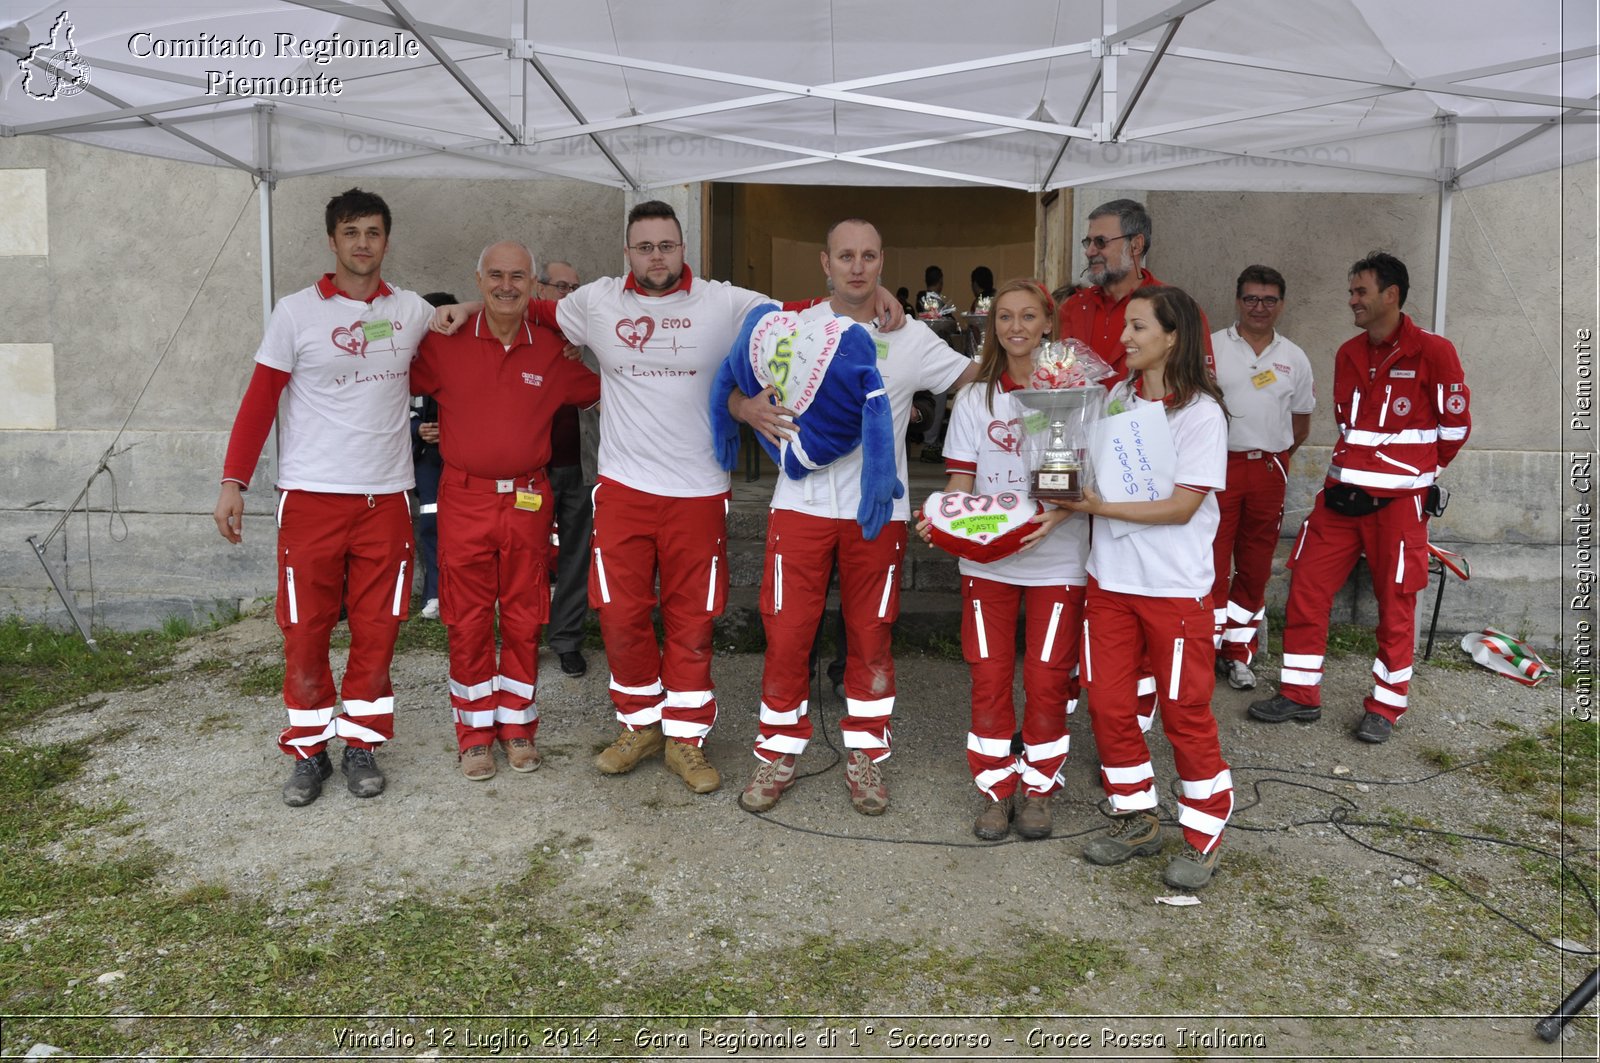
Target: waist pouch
[{"x": 1351, "y": 501}]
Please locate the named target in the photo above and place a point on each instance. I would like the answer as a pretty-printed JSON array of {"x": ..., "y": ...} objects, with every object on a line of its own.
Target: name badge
[
  {"x": 1264, "y": 378},
  {"x": 883, "y": 347},
  {"x": 1403, "y": 374},
  {"x": 377, "y": 330},
  {"x": 529, "y": 500}
]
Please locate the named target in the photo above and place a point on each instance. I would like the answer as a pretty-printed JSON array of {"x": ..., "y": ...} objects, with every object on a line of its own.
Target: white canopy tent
[{"x": 1337, "y": 95}]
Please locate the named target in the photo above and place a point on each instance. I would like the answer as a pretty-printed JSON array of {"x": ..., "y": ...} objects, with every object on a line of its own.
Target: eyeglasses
[
  {"x": 1268, "y": 301},
  {"x": 1098, "y": 242},
  {"x": 561, "y": 286},
  {"x": 666, "y": 247}
]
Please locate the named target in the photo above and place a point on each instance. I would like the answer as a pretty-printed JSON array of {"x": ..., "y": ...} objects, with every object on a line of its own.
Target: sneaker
[
  {"x": 629, "y": 749},
  {"x": 689, "y": 763},
  {"x": 521, "y": 754},
  {"x": 1240, "y": 677},
  {"x": 994, "y": 822},
  {"x": 477, "y": 763},
  {"x": 573, "y": 664},
  {"x": 768, "y": 783},
  {"x": 1033, "y": 822},
  {"x": 1374, "y": 728},
  {"x": 869, "y": 794},
  {"x": 1278, "y": 708},
  {"x": 430, "y": 609},
  {"x": 1130, "y": 834},
  {"x": 362, "y": 776},
  {"x": 305, "y": 782},
  {"x": 1191, "y": 869}
]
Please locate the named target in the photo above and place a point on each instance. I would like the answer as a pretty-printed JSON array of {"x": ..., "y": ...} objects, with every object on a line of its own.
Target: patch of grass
[
  {"x": 260, "y": 679},
  {"x": 1347, "y": 639},
  {"x": 41, "y": 668},
  {"x": 1557, "y": 765},
  {"x": 419, "y": 634}
]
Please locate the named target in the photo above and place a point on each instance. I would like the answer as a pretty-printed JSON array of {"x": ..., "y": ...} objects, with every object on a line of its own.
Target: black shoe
[
  {"x": 305, "y": 782},
  {"x": 1278, "y": 708},
  {"x": 1374, "y": 728},
  {"x": 572, "y": 663},
  {"x": 362, "y": 776}
]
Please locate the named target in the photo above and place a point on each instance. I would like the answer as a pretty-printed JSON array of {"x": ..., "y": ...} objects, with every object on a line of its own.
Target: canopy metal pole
[
  {"x": 267, "y": 177},
  {"x": 1448, "y": 147}
]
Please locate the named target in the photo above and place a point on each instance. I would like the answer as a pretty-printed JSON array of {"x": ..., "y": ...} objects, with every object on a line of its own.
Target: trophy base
[{"x": 1057, "y": 485}]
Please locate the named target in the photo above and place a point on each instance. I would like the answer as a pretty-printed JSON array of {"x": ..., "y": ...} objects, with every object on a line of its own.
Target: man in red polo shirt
[
  {"x": 498, "y": 381},
  {"x": 1116, "y": 246}
]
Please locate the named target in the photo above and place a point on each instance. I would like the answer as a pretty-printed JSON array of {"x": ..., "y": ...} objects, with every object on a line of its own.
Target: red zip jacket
[{"x": 1403, "y": 410}]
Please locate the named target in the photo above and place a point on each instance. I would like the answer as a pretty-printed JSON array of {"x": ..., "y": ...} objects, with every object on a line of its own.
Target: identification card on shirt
[
  {"x": 377, "y": 330},
  {"x": 1133, "y": 460},
  {"x": 1264, "y": 378},
  {"x": 529, "y": 500}
]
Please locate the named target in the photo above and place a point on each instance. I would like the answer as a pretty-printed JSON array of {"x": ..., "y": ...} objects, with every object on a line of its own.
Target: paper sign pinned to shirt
[{"x": 1133, "y": 459}]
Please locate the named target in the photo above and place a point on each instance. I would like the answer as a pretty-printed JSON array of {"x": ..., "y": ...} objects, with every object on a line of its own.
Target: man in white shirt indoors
[
  {"x": 1267, "y": 381},
  {"x": 813, "y": 524}
]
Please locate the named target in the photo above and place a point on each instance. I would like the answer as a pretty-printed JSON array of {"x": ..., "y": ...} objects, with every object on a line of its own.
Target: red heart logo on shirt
[
  {"x": 352, "y": 340},
  {"x": 636, "y": 333},
  {"x": 1003, "y": 434}
]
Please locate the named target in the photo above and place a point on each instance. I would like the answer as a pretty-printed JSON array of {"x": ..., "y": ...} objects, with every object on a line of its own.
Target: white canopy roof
[{"x": 1348, "y": 95}]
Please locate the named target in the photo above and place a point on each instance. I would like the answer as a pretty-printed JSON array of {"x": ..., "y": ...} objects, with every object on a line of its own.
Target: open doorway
[{"x": 766, "y": 237}]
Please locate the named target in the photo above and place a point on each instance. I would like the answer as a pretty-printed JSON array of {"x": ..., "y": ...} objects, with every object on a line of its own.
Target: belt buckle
[{"x": 505, "y": 487}]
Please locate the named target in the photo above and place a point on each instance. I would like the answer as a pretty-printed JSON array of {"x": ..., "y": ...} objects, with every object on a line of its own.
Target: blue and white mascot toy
[{"x": 824, "y": 368}]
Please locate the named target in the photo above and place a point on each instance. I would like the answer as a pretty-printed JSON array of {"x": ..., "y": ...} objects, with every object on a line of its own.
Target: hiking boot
[
  {"x": 1240, "y": 677},
  {"x": 1130, "y": 834},
  {"x": 1191, "y": 869},
  {"x": 521, "y": 754},
  {"x": 689, "y": 763},
  {"x": 629, "y": 749},
  {"x": 477, "y": 763},
  {"x": 994, "y": 822},
  {"x": 362, "y": 776},
  {"x": 1374, "y": 728},
  {"x": 1033, "y": 822},
  {"x": 1278, "y": 708},
  {"x": 769, "y": 782},
  {"x": 305, "y": 782},
  {"x": 869, "y": 794},
  {"x": 573, "y": 663}
]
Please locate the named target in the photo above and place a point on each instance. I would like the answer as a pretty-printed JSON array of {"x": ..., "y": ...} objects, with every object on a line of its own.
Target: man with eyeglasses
[
  {"x": 1266, "y": 379},
  {"x": 1117, "y": 243},
  {"x": 661, "y": 499},
  {"x": 573, "y": 439}
]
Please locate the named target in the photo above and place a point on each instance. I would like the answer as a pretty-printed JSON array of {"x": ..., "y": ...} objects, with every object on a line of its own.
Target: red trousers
[
  {"x": 1050, "y": 690},
  {"x": 1395, "y": 542},
  {"x": 492, "y": 554},
  {"x": 801, "y": 550},
  {"x": 638, "y": 537},
  {"x": 333, "y": 548},
  {"x": 1121, "y": 632},
  {"x": 1252, "y": 513}
]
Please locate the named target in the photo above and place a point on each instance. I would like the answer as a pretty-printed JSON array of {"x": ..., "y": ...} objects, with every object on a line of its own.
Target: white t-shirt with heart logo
[
  {"x": 991, "y": 440},
  {"x": 658, "y": 357}
]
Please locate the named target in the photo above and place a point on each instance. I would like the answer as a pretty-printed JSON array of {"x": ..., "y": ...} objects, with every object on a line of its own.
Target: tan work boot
[
  {"x": 629, "y": 749},
  {"x": 994, "y": 822},
  {"x": 869, "y": 794},
  {"x": 477, "y": 763},
  {"x": 521, "y": 754},
  {"x": 689, "y": 763}
]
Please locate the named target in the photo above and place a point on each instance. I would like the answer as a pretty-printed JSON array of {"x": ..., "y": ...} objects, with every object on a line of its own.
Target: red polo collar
[
  {"x": 327, "y": 289},
  {"x": 630, "y": 285}
]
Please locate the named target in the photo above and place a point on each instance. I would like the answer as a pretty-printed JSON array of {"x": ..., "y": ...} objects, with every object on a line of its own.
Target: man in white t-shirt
[
  {"x": 339, "y": 355},
  {"x": 1266, "y": 380},
  {"x": 812, "y": 524}
]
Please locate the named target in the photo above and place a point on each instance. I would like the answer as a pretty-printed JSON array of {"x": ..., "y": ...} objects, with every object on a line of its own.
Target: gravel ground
[{"x": 1323, "y": 948}]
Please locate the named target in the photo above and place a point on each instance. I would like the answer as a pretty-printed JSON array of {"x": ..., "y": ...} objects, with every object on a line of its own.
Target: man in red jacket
[{"x": 1403, "y": 411}]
